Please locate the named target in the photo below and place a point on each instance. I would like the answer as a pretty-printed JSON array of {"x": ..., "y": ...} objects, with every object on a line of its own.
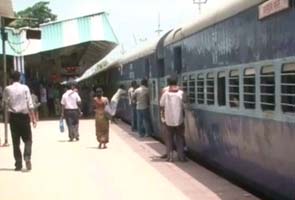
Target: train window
[
  {"x": 200, "y": 89},
  {"x": 267, "y": 88},
  {"x": 249, "y": 89},
  {"x": 192, "y": 89},
  {"x": 177, "y": 60},
  {"x": 221, "y": 89},
  {"x": 184, "y": 84},
  {"x": 288, "y": 88},
  {"x": 234, "y": 89},
  {"x": 210, "y": 89}
]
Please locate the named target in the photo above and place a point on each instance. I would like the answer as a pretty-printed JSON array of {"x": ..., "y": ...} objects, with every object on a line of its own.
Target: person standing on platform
[
  {"x": 43, "y": 100},
  {"x": 141, "y": 97},
  {"x": 20, "y": 107},
  {"x": 101, "y": 120},
  {"x": 172, "y": 109},
  {"x": 70, "y": 110},
  {"x": 36, "y": 105},
  {"x": 132, "y": 103},
  {"x": 115, "y": 99}
]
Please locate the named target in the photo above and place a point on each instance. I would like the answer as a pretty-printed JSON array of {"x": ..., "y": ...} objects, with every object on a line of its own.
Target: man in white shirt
[
  {"x": 172, "y": 103},
  {"x": 132, "y": 104},
  {"x": 70, "y": 110},
  {"x": 18, "y": 99}
]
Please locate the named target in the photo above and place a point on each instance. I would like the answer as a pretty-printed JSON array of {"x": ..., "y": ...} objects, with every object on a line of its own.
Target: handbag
[{"x": 61, "y": 125}]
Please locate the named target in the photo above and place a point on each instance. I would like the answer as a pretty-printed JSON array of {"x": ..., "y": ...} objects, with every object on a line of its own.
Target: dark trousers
[
  {"x": 20, "y": 129},
  {"x": 143, "y": 122},
  {"x": 134, "y": 117},
  {"x": 72, "y": 121},
  {"x": 176, "y": 132}
]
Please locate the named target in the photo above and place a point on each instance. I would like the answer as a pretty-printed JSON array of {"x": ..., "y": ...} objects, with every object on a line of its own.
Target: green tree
[{"x": 34, "y": 16}]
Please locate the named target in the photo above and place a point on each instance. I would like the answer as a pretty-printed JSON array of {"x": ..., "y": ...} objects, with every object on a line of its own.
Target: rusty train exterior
[{"x": 238, "y": 70}]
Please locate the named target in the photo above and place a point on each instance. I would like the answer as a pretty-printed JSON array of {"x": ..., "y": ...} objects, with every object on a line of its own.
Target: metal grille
[
  {"x": 267, "y": 88},
  {"x": 234, "y": 89},
  {"x": 210, "y": 89},
  {"x": 249, "y": 89},
  {"x": 200, "y": 89},
  {"x": 192, "y": 89},
  {"x": 288, "y": 88}
]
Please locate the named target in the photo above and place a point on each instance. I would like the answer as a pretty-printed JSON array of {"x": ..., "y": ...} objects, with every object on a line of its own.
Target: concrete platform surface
[{"x": 128, "y": 169}]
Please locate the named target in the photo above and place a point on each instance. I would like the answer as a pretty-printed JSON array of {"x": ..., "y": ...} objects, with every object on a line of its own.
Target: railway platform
[{"x": 128, "y": 169}]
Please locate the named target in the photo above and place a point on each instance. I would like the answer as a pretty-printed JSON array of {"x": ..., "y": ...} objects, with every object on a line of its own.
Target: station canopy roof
[
  {"x": 89, "y": 37},
  {"x": 116, "y": 59}
]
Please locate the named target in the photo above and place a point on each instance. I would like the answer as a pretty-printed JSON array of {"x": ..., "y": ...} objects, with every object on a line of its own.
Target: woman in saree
[{"x": 101, "y": 120}]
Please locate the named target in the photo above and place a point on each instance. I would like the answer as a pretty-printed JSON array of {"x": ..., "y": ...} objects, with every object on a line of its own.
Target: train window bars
[
  {"x": 267, "y": 88},
  {"x": 210, "y": 89},
  {"x": 221, "y": 89},
  {"x": 249, "y": 88},
  {"x": 200, "y": 89},
  {"x": 192, "y": 89},
  {"x": 288, "y": 88},
  {"x": 234, "y": 89}
]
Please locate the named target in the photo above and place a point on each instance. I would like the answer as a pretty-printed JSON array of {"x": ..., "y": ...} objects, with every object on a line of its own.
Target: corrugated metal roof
[{"x": 59, "y": 34}]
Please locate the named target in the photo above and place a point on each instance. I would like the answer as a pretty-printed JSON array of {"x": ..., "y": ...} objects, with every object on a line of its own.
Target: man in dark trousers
[
  {"x": 172, "y": 108},
  {"x": 18, "y": 99},
  {"x": 71, "y": 102}
]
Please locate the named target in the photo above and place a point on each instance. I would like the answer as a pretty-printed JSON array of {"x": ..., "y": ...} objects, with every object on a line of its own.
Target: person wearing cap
[{"x": 70, "y": 110}]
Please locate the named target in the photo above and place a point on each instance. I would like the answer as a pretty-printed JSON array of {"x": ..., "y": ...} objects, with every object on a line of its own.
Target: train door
[
  {"x": 156, "y": 85},
  {"x": 147, "y": 68},
  {"x": 177, "y": 60}
]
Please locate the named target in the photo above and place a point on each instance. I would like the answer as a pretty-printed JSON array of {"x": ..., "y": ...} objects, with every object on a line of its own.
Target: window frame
[{"x": 249, "y": 73}]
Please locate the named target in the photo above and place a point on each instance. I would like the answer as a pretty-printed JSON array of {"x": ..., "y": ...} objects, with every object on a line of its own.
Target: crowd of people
[{"x": 23, "y": 106}]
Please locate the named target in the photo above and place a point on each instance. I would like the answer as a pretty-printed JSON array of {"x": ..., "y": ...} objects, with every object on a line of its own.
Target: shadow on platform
[{"x": 208, "y": 179}]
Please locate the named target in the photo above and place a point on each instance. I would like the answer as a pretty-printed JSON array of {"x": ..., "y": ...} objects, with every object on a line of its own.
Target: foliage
[{"x": 33, "y": 16}]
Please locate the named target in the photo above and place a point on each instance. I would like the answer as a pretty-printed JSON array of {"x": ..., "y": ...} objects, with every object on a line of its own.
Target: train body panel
[
  {"x": 254, "y": 149},
  {"x": 239, "y": 75}
]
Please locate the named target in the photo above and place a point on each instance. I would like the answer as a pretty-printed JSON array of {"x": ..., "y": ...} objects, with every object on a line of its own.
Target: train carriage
[{"x": 238, "y": 71}]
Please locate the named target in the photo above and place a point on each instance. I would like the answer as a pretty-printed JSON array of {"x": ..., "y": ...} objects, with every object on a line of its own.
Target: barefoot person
[{"x": 101, "y": 120}]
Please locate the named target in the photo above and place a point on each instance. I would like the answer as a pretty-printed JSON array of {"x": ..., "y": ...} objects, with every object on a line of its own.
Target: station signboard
[{"x": 271, "y": 7}]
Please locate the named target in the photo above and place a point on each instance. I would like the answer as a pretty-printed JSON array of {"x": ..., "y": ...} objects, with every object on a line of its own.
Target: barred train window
[
  {"x": 288, "y": 88},
  {"x": 192, "y": 89},
  {"x": 234, "y": 88},
  {"x": 267, "y": 88},
  {"x": 184, "y": 84},
  {"x": 249, "y": 88},
  {"x": 210, "y": 89},
  {"x": 200, "y": 89},
  {"x": 221, "y": 89}
]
